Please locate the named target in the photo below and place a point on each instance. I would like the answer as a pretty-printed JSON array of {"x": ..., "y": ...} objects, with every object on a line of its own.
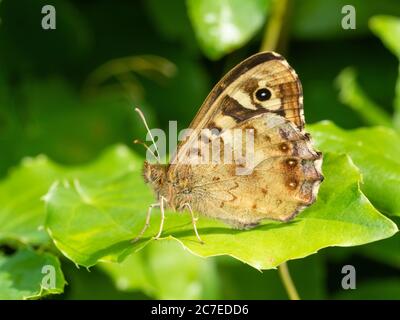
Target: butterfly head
[{"x": 154, "y": 174}]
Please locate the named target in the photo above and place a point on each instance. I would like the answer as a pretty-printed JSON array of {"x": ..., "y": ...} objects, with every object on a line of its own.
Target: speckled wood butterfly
[{"x": 262, "y": 94}]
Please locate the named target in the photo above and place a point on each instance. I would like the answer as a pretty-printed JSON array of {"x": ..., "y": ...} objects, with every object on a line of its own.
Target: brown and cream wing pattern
[
  {"x": 262, "y": 94},
  {"x": 285, "y": 177},
  {"x": 262, "y": 83}
]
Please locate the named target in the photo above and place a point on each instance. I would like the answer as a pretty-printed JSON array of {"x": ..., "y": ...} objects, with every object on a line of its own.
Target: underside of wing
[
  {"x": 281, "y": 179},
  {"x": 263, "y": 83},
  {"x": 274, "y": 172}
]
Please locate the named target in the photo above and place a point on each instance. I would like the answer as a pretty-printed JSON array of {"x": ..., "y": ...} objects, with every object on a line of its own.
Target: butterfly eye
[{"x": 263, "y": 94}]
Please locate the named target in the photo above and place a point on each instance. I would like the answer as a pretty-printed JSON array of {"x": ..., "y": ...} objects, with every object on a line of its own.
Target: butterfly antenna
[
  {"x": 136, "y": 141},
  {"x": 141, "y": 115}
]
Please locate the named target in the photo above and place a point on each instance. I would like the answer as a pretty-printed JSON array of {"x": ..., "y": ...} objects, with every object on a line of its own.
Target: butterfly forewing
[{"x": 235, "y": 98}]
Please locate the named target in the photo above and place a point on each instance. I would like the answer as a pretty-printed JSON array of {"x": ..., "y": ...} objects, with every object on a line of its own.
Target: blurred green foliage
[
  {"x": 22, "y": 275},
  {"x": 222, "y": 26},
  {"x": 69, "y": 93}
]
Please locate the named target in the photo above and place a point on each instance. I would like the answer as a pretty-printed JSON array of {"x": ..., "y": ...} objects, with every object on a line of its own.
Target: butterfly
[{"x": 263, "y": 95}]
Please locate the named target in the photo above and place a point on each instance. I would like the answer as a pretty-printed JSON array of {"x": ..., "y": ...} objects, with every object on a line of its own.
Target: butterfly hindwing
[{"x": 283, "y": 178}]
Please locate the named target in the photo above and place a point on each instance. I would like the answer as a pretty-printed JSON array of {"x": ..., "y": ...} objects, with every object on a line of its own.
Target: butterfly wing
[
  {"x": 262, "y": 94},
  {"x": 234, "y": 99},
  {"x": 284, "y": 177}
]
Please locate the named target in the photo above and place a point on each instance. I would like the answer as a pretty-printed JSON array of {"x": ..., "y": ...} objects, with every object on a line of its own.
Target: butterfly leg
[
  {"x": 162, "y": 217},
  {"x": 147, "y": 224},
  {"x": 194, "y": 220}
]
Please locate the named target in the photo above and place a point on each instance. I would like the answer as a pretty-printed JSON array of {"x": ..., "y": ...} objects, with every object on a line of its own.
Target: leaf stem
[
  {"x": 270, "y": 42},
  {"x": 288, "y": 282},
  {"x": 353, "y": 96},
  {"x": 273, "y": 30}
]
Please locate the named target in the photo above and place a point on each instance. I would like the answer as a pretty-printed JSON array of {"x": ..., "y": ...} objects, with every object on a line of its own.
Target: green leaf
[
  {"x": 396, "y": 116},
  {"x": 375, "y": 151},
  {"x": 225, "y": 25},
  {"x": 384, "y": 251},
  {"x": 387, "y": 28},
  {"x": 163, "y": 271},
  {"x": 21, "y": 210},
  {"x": 352, "y": 95},
  {"x": 96, "y": 219},
  {"x": 110, "y": 194},
  {"x": 26, "y": 275}
]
